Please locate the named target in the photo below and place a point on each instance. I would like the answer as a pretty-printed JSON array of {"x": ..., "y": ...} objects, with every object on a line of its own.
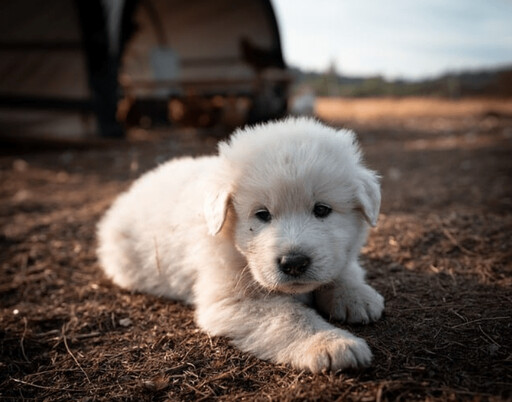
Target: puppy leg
[
  {"x": 350, "y": 299},
  {"x": 282, "y": 330}
]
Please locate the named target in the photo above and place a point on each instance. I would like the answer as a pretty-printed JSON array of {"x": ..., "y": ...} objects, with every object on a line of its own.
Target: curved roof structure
[
  {"x": 201, "y": 41},
  {"x": 71, "y": 55}
]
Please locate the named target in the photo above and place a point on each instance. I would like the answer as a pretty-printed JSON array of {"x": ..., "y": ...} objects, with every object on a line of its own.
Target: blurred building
[{"x": 78, "y": 67}]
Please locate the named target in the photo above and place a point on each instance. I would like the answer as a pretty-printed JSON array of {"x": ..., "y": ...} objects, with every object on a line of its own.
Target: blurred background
[{"x": 83, "y": 70}]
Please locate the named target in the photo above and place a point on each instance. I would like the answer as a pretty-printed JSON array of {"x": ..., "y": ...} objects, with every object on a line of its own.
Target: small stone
[
  {"x": 125, "y": 322},
  {"x": 20, "y": 165},
  {"x": 493, "y": 349}
]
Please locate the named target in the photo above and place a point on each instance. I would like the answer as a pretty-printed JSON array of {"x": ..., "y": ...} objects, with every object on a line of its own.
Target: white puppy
[{"x": 251, "y": 236}]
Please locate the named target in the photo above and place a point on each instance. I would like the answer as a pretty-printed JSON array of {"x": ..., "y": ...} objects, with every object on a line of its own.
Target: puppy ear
[
  {"x": 368, "y": 195},
  {"x": 215, "y": 210}
]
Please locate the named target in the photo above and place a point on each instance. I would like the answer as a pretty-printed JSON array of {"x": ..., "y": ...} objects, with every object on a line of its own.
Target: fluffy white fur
[{"x": 188, "y": 230}]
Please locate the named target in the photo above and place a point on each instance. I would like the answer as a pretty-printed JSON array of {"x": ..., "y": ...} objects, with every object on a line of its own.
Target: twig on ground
[
  {"x": 22, "y": 339},
  {"x": 456, "y": 243},
  {"x": 45, "y": 387},
  {"x": 71, "y": 354},
  {"x": 481, "y": 319}
]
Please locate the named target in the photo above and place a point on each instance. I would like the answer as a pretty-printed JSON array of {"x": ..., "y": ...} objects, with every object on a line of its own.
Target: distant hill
[{"x": 496, "y": 83}]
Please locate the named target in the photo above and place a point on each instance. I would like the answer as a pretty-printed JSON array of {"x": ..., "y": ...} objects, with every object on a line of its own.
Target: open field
[
  {"x": 441, "y": 255},
  {"x": 405, "y": 108}
]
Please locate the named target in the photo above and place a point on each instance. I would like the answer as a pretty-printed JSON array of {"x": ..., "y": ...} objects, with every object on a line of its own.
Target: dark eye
[
  {"x": 263, "y": 215},
  {"x": 321, "y": 210}
]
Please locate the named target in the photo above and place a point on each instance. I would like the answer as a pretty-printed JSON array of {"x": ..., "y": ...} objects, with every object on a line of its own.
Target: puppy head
[{"x": 301, "y": 200}]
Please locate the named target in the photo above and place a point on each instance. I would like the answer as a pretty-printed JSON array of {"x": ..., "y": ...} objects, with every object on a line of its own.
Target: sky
[{"x": 411, "y": 39}]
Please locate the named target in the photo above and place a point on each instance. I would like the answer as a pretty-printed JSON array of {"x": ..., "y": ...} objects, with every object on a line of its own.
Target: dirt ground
[{"x": 441, "y": 255}]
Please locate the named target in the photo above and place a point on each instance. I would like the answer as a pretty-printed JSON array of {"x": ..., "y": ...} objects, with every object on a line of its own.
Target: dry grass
[
  {"x": 441, "y": 256},
  {"x": 387, "y": 108}
]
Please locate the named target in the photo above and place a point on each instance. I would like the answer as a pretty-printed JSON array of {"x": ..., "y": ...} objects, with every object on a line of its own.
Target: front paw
[
  {"x": 333, "y": 350},
  {"x": 359, "y": 304}
]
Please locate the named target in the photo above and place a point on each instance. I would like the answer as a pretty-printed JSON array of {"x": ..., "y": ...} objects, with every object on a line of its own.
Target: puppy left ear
[
  {"x": 368, "y": 195},
  {"x": 215, "y": 210}
]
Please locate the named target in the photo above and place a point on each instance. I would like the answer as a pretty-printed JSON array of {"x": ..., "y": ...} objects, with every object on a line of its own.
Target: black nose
[{"x": 294, "y": 264}]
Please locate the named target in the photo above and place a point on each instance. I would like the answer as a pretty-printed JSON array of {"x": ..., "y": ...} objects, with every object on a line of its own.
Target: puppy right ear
[
  {"x": 215, "y": 210},
  {"x": 368, "y": 194}
]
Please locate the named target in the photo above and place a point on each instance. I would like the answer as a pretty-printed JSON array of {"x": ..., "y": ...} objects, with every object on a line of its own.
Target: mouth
[
  {"x": 297, "y": 287},
  {"x": 281, "y": 283}
]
